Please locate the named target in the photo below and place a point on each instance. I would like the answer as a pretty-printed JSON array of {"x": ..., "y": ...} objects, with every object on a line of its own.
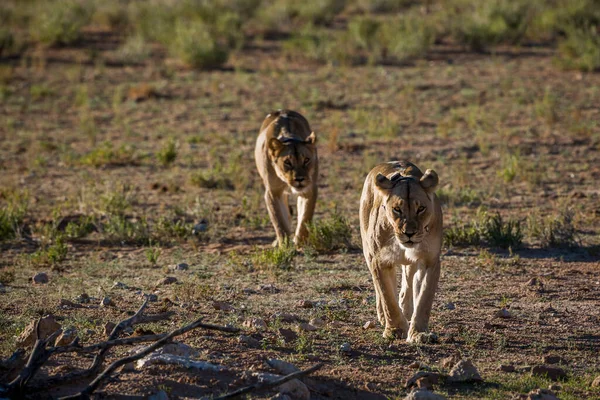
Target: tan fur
[
  {"x": 396, "y": 232},
  {"x": 286, "y": 158}
]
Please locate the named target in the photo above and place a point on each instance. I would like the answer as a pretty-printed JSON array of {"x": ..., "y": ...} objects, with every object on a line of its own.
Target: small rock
[
  {"x": 346, "y": 348},
  {"x": 168, "y": 280},
  {"x": 555, "y": 387},
  {"x": 305, "y": 304},
  {"x": 368, "y": 325},
  {"x": 294, "y": 388},
  {"x": 541, "y": 394},
  {"x": 119, "y": 285},
  {"x": 596, "y": 382},
  {"x": 285, "y": 317},
  {"x": 269, "y": 288},
  {"x": 249, "y": 341},
  {"x": 552, "y": 359},
  {"x": 129, "y": 367},
  {"x": 432, "y": 377},
  {"x": 40, "y": 278},
  {"x": 464, "y": 371},
  {"x": 307, "y": 327},
  {"x": 66, "y": 338},
  {"x": 335, "y": 324},
  {"x": 506, "y": 368},
  {"x": 105, "y": 301},
  {"x": 83, "y": 298},
  {"x": 177, "y": 349},
  {"x": 160, "y": 395},
  {"x": 47, "y": 326},
  {"x": 222, "y": 306},
  {"x": 414, "y": 365},
  {"x": 108, "y": 328},
  {"x": 448, "y": 362},
  {"x": 318, "y": 322},
  {"x": 450, "y": 306},
  {"x": 288, "y": 335},
  {"x": 180, "y": 267},
  {"x": 553, "y": 373},
  {"x": 255, "y": 323},
  {"x": 2, "y": 289},
  {"x": 503, "y": 313},
  {"x": 200, "y": 227},
  {"x": 282, "y": 367},
  {"x": 152, "y": 297},
  {"x": 423, "y": 394}
]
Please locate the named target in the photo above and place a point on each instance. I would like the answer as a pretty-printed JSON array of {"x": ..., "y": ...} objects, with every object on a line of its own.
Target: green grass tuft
[
  {"x": 276, "y": 258},
  {"x": 333, "y": 233}
]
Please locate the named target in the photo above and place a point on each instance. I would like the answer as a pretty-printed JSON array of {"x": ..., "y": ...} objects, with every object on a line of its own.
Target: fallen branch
[
  {"x": 260, "y": 386},
  {"x": 85, "y": 393}
]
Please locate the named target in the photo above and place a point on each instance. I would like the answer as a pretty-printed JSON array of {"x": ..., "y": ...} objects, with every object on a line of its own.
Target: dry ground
[{"x": 505, "y": 131}]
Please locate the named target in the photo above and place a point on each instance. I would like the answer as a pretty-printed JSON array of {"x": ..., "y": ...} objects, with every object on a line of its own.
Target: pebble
[
  {"x": 119, "y": 285},
  {"x": 105, "y": 301},
  {"x": 180, "y": 267},
  {"x": 282, "y": 367},
  {"x": 450, "y": 306},
  {"x": 108, "y": 328},
  {"x": 285, "y": 317},
  {"x": 255, "y": 323},
  {"x": 506, "y": 368},
  {"x": 432, "y": 379},
  {"x": 83, "y": 298},
  {"x": 168, "y": 280},
  {"x": 503, "y": 313},
  {"x": 152, "y": 297},
  {"x": 346, "y": 347},
  {"x": 222, "y": 306},
  {"x": 288, "y": 335},
  {"x": 368, "y": 325},
  {"x": 541, "y": 394},
  {"x": 553, "y": 373},
  {"x": 249, "y": 341},
  {"x": 66, "y": 337},
  {"x": 129, "y": 367},
  {"x": 464, "y": 371},
  {"x": 596, "y": 382},
  {"x": 305, "y": 304},
  {"x": 307, "y": 327},
  {"x": 40, "y": 278},
  {"x": 552, "y": 359},
  {"x": 200, "y": 227},
  {"x": 318, "y": 322},
  {"x": 423, "y": 394}
]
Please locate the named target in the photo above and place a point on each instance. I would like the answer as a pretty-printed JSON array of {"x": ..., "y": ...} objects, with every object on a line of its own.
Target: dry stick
[
  {"x": 85, "y": 393},
  {"x": 270, "y": 384}
]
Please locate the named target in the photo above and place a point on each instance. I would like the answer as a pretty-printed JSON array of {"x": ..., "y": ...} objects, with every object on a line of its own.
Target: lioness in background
[
  {"x": 401, "y": 225},
  {"x": 286, "y": 158}
]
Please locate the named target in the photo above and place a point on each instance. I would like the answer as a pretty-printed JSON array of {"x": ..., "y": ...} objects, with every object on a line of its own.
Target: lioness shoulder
[
  {"x": 287, "y": 161},
  {"x": 401, "y": 226}
]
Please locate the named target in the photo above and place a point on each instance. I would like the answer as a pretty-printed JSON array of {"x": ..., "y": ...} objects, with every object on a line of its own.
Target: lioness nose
[
  {"x": 299, "y": 179},
  {"x": 409, "y": 234}
]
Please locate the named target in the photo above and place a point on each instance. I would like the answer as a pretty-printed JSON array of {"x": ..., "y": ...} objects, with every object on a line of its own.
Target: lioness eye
[
  {"x": 397, "y": 210},
  {"x": 306, "y": 161},
  {"x": 288, "y": 163},
  {"x": 420, "y": 210}
]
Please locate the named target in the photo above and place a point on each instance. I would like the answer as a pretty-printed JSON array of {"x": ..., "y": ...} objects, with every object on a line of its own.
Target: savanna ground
[{"x": 117, "y": 143}]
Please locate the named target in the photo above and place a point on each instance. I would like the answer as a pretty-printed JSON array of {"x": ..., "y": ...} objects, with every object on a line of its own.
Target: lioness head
[
  {"x": 409, "y": 204},
  {"x": 294, "y": 160}
]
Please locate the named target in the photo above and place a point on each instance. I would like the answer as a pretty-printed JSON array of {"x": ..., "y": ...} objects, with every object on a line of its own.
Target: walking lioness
[
  {"x": 401, "y": 225},
  {"x": 286, "y": 158}
]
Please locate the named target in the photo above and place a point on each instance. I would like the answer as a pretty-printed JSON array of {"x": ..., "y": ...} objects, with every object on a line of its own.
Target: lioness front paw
[{"x": 422, "y": 338}]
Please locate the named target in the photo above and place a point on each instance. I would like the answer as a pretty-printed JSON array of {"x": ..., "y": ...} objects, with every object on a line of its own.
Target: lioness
[
  {"x": 401, "y": 224},
  {"x": 286, "y": 158}
]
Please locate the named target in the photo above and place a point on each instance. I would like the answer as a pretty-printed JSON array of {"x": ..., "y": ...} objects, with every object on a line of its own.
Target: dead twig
[
  {"x": 270, "y": 384},
  {"x": 85, "y": 393}
]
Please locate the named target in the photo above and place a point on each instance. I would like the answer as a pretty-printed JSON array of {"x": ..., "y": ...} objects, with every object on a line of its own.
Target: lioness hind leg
[
  {"x": 384, "y": 279},
  {"x": 425, "y": 283}
]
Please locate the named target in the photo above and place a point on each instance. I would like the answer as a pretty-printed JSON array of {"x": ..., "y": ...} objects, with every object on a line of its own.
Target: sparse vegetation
[
  {"x": 553, "y": 231},
  {"x": 276, "y": 258},
  {"x": 333, "y": 233},
  {"x": 168, "y": 153}
]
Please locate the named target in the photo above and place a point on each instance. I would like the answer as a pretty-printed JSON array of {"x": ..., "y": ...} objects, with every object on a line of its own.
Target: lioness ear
[
  {"x": 275, "y": 147},
  {"x": 311, "y": 139},
  {"x": 429, "y": 181},
  {"x": 382, "y": 182}
]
